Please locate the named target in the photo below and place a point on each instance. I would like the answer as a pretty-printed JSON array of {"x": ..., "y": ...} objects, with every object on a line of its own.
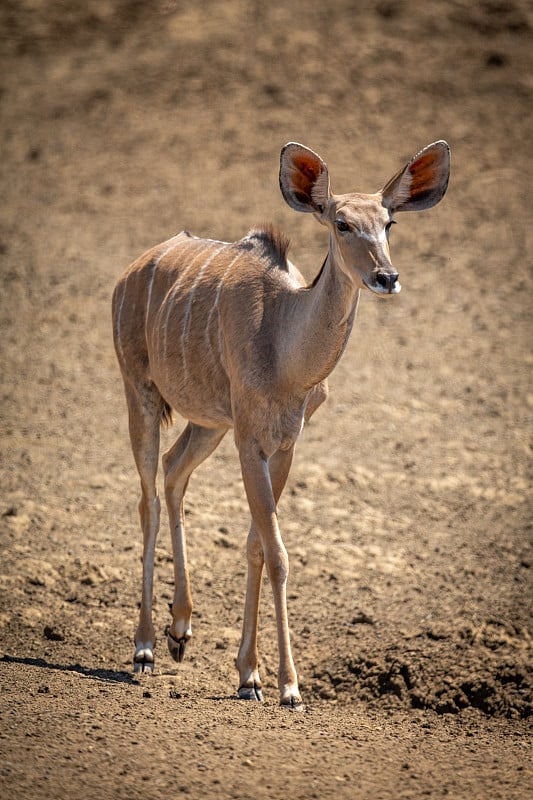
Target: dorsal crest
[{"x": 273, "y": 243}]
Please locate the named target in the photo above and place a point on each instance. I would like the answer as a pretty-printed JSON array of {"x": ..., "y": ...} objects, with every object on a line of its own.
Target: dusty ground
[{"x": 407, "y": 515}]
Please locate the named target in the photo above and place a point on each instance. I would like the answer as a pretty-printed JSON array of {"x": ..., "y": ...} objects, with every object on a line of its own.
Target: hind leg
[
  {"x": 145, "y": 407},
  {"x": 193, "y": 446}
]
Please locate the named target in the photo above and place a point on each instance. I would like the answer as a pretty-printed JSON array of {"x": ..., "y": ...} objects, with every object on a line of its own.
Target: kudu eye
[{"x": 342, "y": 226}]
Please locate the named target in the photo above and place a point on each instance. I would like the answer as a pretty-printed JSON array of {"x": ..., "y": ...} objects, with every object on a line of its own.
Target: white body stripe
[
  {"x": 168, "y": 303},
  {"x": 187, "y": 314},
  {"x": 215, "y": 307},
  {"x": 119, "y": 320},
  {"x": 156, "y": 264},
  {"x": 156, "y": 331},
  {"x": 149, "y": 298}
]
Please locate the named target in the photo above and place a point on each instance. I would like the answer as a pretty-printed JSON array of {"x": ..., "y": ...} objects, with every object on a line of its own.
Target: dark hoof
[
  {"x": 250, "y": 693},
  {"x": 141, "y": 664},
  {"x": 176, "y": 647},
  {"x": 293, "y": 704}
]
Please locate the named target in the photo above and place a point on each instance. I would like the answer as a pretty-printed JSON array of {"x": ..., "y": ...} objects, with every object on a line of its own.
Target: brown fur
[{"x": 229, "y": 335}]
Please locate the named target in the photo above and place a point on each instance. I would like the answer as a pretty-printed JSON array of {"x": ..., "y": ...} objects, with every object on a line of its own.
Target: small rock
[
  {"x": 52, "y": 634},
  {"x": 12, "y": 511},
  {"x": 362, "y": 619}
]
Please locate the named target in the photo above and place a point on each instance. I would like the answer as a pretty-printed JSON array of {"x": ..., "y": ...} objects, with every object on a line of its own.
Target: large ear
[
  {"x": 303, "y": 178},
  {"x": 422, "y": 182}
]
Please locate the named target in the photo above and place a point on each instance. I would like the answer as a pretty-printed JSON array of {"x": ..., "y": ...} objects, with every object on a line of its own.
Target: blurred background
[{"x": 124, "y": 122}]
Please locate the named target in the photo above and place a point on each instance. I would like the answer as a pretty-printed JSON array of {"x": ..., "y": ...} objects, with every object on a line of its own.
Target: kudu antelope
[{"x": 230, "y": 336}]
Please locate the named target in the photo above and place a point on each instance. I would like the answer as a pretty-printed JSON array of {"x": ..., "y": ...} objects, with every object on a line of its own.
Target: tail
[{"x": 166, "y": 416}]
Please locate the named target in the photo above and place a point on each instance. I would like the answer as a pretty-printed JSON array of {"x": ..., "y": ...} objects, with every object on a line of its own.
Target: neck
[{"x": 317, "y": 325}]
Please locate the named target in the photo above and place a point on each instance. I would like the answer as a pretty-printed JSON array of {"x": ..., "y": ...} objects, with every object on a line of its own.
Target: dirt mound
[{"x": 488, "y": 669}]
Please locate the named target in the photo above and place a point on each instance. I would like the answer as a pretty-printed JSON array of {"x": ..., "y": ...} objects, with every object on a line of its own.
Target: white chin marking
[{"x": 378, "y": 289}]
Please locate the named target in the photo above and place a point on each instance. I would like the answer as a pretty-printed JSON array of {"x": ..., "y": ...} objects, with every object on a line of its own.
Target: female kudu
[{"x": 230, "y": 336}]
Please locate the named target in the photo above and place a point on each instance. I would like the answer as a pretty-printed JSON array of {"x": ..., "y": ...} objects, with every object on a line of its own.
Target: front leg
[
  {"x": 262, "y": 502},
  {"x": 248, "y": 658}
]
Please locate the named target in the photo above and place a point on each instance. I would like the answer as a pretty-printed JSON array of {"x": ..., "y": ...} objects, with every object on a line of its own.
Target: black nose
[{"x": 387, "y": 280}]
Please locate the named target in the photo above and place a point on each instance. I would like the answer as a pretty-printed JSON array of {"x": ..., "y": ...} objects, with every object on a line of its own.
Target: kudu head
[{"x": 359, "y": 224}]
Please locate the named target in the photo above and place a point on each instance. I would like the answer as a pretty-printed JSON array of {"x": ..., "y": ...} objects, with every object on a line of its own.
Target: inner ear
[
  {"x": 423, "y": 181},
  {"x": 304, "y": 179},
  {"x": 429, "y": 178},
  {"x": 305, "y": 174},
  {"x": 308, "y": 167}
]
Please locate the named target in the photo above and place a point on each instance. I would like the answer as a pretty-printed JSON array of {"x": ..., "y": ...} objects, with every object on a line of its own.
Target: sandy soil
[{"x": 407, "y": 515}]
